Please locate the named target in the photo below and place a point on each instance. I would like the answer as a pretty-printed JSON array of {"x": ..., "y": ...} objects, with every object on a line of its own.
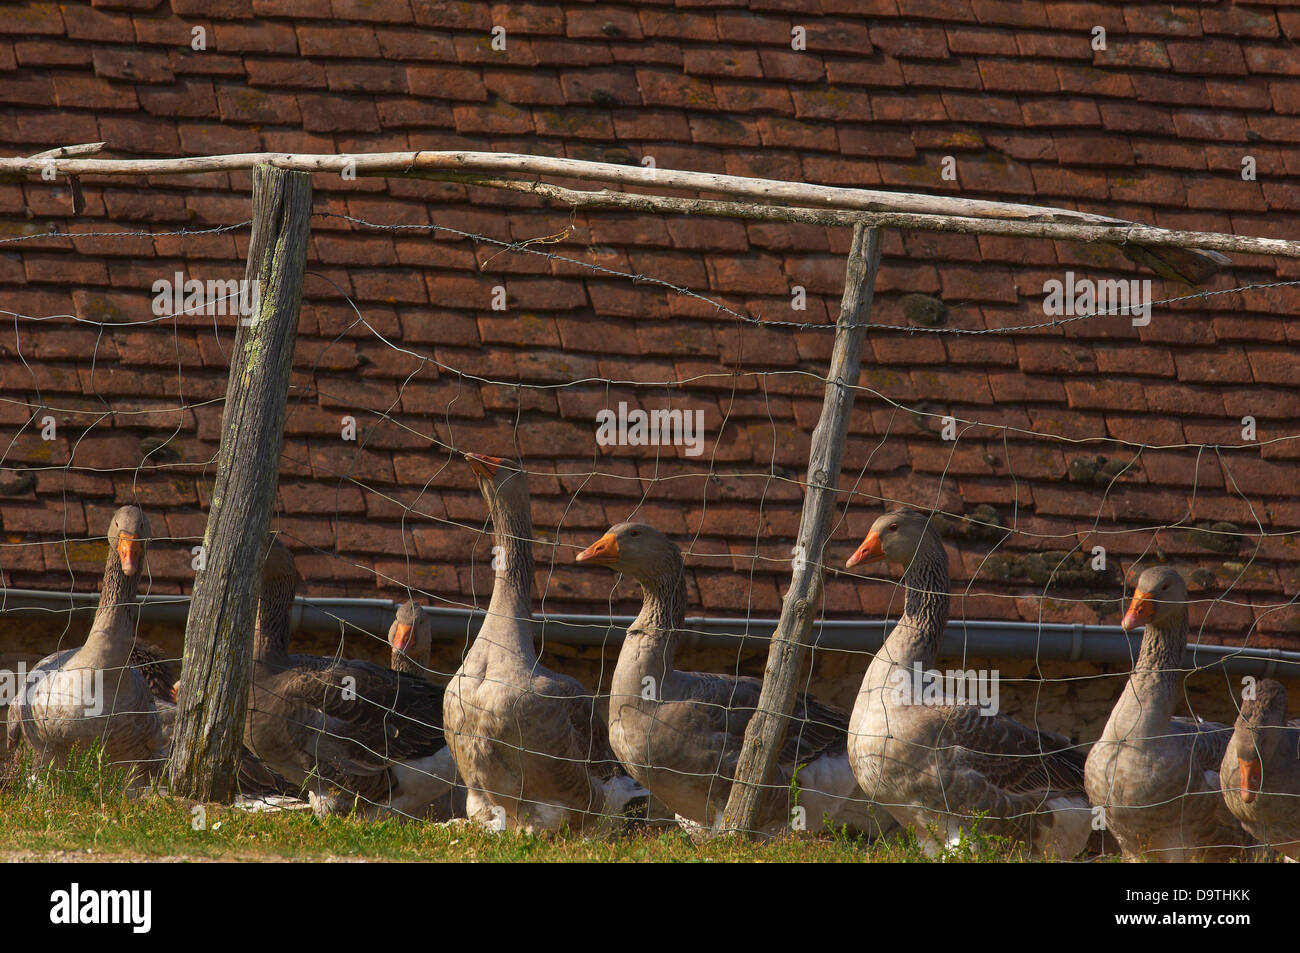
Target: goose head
[
  {"x": 638, "y": 550},
  {"x": 895, "y": 537},
  {"x": 502, "y": 481},
  {"x": 1252, "y": 739},
  {"x": 411, "y": 634},
  {"x": 128, "y": 539},
  {"x": 1159, "y": 600}
]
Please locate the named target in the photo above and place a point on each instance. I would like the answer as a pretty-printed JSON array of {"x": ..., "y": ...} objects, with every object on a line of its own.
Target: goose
[
  {"x": 352, "y": 733},
  {"x": 938, "y": 765},
  {"x": 527, "y": 741},
  {"x": 680, "y": 733},
  {"x": 1260, "y": 773},
  {"x": 1156, "y": 777},
  {"x": 82, "y": 695},
  {"x": 411, "y": 639}
]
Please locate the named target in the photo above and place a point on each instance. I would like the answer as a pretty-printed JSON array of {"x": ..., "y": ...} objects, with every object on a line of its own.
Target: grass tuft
[{"x": 89, "y": 809}]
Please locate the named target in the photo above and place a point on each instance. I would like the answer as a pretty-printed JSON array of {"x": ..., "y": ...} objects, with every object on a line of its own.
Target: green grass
[{"x": 84, "y": 811}]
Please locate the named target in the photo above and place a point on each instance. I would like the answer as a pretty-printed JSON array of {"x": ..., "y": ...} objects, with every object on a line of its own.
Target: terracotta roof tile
[
  {"x": 1153, "y": 127},
  {"x": 927, "y": 41}
]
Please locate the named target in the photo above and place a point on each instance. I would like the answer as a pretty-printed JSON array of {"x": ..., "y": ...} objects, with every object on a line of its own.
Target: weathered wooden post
[
  {"x": 766, "y": 730},
  {"x": 218, "y": 635}
]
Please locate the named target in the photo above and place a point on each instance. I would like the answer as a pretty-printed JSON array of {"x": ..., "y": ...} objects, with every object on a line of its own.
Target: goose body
[
  {"x": 527, "y": 741},
  {"x": 162, "y": 677},
  {"x": 1156, "y": 777},
  {"x": 351, "y": 733},
  {"x": 1260, "y": 772},
  {"x": 90, "y": 694},
  {"x": 158, "y": 670},
  {"x": 680, "y": 733},
  {"x": 941, "y": 766}
]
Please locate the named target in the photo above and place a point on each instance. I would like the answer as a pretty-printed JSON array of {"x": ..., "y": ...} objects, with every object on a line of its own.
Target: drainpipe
[{"x": 974, "y": 639}]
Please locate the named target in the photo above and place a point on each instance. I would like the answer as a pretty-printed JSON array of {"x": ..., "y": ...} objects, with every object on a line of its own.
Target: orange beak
[
  {"x": 129, "y": 551},
  {"x": 1252, "y": 774},
  {"x": 484, "y": 465},
  {"x": 1140, "y": 611},
  {"x": 871, "y": 551},
  {"x": 176, "y": 691},
  {"x": 603, "y": 552},
  {"x": 402, "y": 637}
]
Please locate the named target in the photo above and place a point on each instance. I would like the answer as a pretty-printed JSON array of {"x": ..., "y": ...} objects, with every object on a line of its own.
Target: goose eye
[
  {"x": 634, "y": 533},
  {"x": 893, "y": 526}
]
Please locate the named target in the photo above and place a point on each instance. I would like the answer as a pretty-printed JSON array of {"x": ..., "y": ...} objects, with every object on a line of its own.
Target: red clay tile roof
[{"x": 1153, "y": 128}]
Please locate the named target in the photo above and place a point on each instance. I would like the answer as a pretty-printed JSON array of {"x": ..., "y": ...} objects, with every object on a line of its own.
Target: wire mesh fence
[{"x": 685, "y": 422}]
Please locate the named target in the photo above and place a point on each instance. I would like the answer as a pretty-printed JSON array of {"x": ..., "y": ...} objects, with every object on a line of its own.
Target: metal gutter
[{"x": 974, "y": 639}]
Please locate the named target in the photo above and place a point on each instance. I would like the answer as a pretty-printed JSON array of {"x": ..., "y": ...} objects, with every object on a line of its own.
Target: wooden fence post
[
  {"x": 766, "y": 730},
  {"x": 219, "y": 632}
]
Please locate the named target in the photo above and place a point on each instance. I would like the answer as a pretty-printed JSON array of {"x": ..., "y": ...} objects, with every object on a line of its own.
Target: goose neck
[
  {"x": 508, "y": 625},
  {"x": 925, "y": 607},
  {"x": 274, "y": 620},
  {"x": 113, "y": 630},
  {"x": 651, "y": 641},
  {"x": 1149, "y": 698},
  {"x": 1160, "y": 658},
  {"x": 663, "y": 599},
  {"x": 401, "y": 662}
]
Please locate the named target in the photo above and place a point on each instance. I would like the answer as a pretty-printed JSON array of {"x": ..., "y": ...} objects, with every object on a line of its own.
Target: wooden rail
[{"x": 1198, "y": 256}]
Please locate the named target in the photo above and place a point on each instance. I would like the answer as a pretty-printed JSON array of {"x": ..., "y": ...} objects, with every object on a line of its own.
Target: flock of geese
[{"x": 507, "y": 742}]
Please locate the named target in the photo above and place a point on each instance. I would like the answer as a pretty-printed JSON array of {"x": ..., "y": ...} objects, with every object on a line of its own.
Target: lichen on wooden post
[
  {"x": 766, "y": 730},
  {"x": 218, "y": 635}
]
